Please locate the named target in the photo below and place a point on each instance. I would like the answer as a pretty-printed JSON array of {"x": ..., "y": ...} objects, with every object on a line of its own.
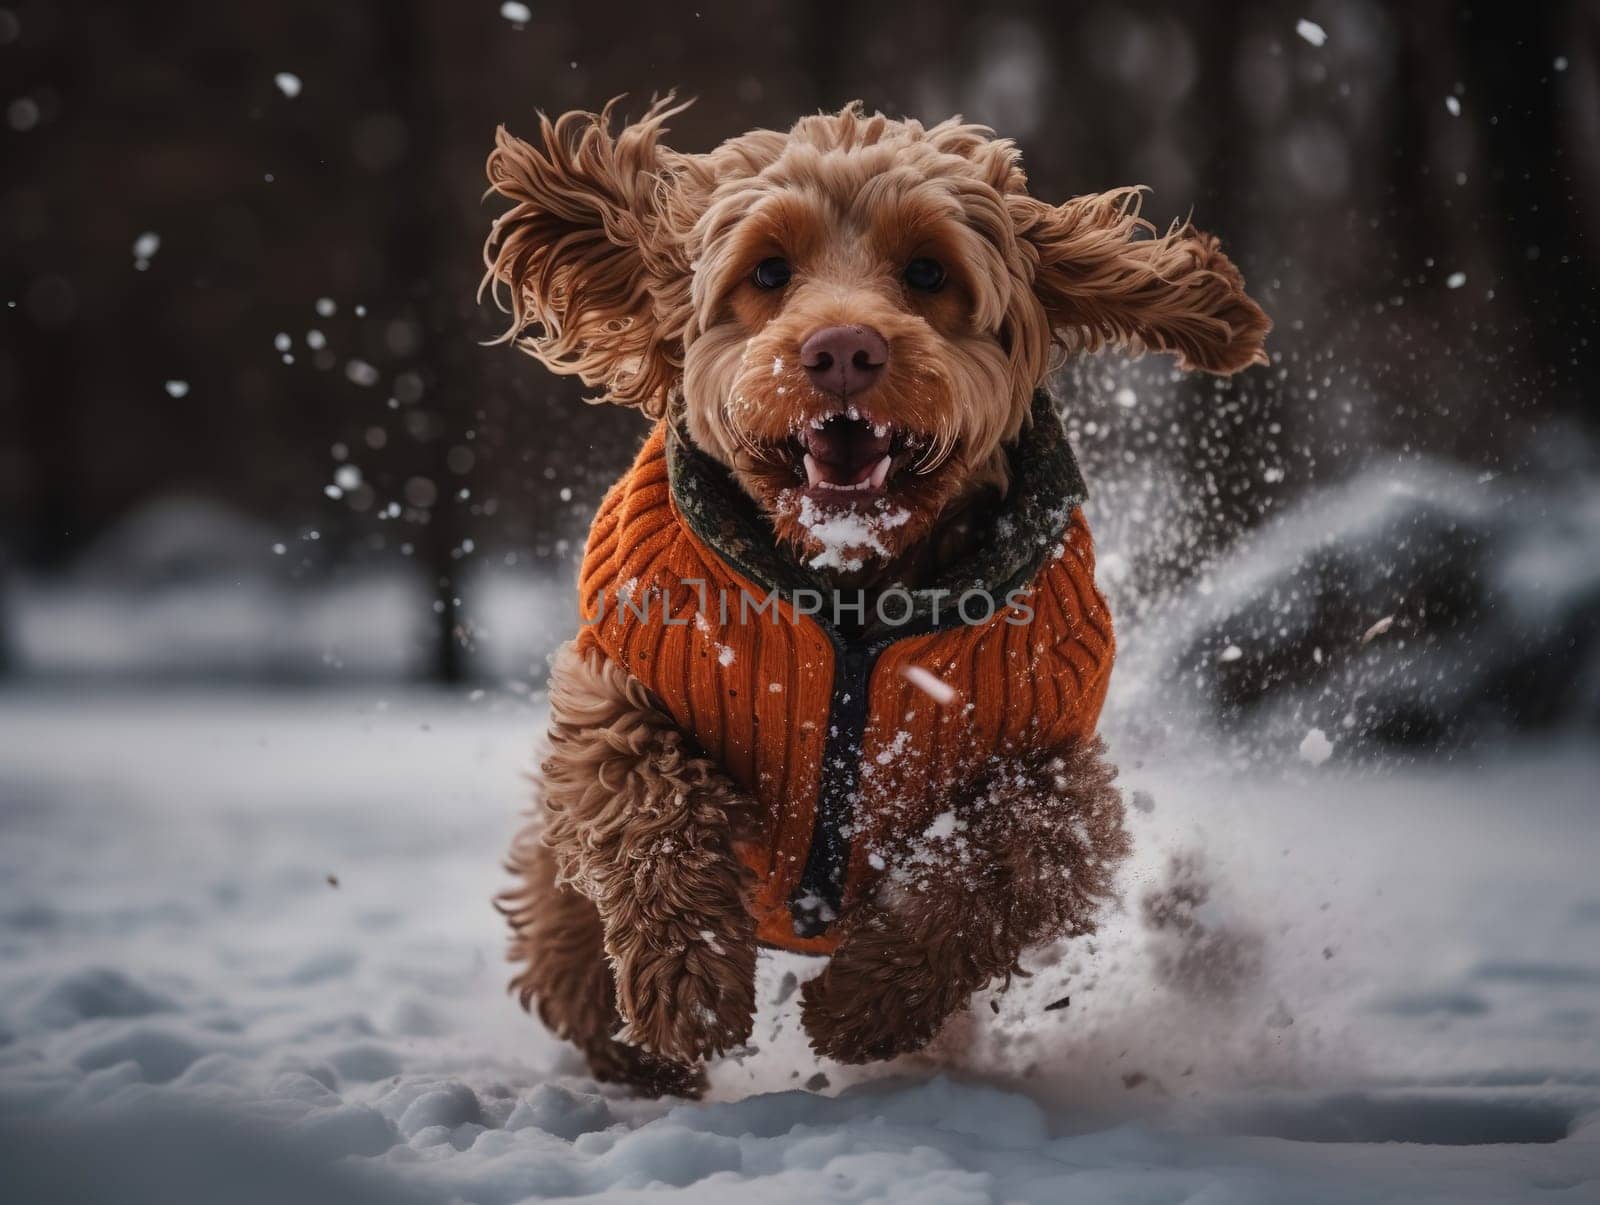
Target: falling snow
[
  {"x": 1316, "y": 748},
  {"x": 145, "y": 248},
  {"x": 361, "y": 373},
  {"x": 930, "y": 684}
]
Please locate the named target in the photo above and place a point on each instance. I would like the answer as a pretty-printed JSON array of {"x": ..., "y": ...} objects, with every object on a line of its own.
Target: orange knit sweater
[{"x": 847, "y": 755}]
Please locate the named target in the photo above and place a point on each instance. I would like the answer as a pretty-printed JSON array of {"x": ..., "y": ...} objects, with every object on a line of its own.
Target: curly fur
[
  {"x": 1032, "y": 858},
  {"x": 559, "y": 941},
  {"x": 579, "y": 255},
  {"x": 631, "y": 862},
  {"x": 629, "y": 264}
]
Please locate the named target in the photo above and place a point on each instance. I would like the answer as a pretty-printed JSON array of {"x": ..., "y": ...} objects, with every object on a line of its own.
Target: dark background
[{"x": 1338, "y": 177}]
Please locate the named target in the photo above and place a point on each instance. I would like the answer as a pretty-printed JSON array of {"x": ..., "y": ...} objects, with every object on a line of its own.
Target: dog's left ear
[
  {"x": 1105, "y": 277},
  {"x": 579, "y": 254}
]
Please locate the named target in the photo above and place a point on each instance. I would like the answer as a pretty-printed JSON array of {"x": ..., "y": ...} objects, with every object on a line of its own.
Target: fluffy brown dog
[{"x": 841, "y": 332}]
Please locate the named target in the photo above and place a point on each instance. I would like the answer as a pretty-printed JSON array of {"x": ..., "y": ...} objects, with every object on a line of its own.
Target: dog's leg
[
  {"x": 558, "y": 943},
  {"x": 641, "y": 831},
  {"x": 1031, "y": 859}
]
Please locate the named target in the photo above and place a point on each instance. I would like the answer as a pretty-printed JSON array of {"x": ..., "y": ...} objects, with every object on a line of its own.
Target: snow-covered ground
[{"x": 247, "y": 954}]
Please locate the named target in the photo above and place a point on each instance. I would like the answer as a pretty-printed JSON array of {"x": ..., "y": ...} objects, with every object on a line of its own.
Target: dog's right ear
[{"x": 578, "y": 254}]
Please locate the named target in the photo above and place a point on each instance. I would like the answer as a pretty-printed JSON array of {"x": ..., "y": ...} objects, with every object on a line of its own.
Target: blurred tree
[
  {"x": 421, "y": 265},
  {"x": 1551, "y": 276}
]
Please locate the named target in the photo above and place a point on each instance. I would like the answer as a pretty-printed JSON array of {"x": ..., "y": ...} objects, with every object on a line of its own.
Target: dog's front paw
[
  {"x": 882, "y": 995},
  {"x": 688, "y": 997},
  {"x": 649, "y": 1075}
]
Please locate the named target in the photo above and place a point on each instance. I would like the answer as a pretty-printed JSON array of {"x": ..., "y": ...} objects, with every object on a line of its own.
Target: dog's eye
[
  {"x": 772, "y": 273},
  {"x": 925, "y": 275}
]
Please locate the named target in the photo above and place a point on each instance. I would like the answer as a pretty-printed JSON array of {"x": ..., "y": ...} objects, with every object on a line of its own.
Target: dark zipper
[{"x": 816, "y": 902}]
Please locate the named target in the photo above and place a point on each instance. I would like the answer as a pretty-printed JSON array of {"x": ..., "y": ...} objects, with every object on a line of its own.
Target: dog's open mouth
[{"x": 848, "y": 456}]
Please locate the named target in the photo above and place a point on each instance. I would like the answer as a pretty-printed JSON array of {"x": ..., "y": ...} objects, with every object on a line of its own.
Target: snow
[
  {"x": 22, "y": 114},
  {"x": 250, "y": 936},
  {"x": 726, "y": 655},
  {"x": 846, "y": 536},
  {"x": 1453, "y": 106},
  {"x": 183, "y": 588},
  {"x": 930, "y": 684},
  {"x": 177, "y": 389},
  {"x": 181, "y": 972},
  {"x": 1311, "y": 32},
  {"x": 517, "y": 13},
  {"x": 288, "y": 83},
  {"x": 1377, "y": 629},
  {"x": 1455, "y": 280},
  {"x": 1316, "y": 748},
  {"x": 359, "y": 372},
  {"x": 1400, "y": 540},
  {"x": 145, "y": 248}
]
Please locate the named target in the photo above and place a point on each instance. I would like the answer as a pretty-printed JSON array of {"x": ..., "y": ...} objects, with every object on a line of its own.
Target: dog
[{"x": 842, "y": 335}]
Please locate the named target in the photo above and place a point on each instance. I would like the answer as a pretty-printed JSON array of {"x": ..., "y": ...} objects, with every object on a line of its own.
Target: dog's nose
[{"x": 844, "y": 360}]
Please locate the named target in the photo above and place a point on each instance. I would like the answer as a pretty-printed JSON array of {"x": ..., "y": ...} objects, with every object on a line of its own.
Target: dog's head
[{"x": 852, "y": 316}]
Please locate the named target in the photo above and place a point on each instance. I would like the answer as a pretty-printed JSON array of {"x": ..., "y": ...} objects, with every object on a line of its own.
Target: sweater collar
[{"x": 1025, "y": 531}]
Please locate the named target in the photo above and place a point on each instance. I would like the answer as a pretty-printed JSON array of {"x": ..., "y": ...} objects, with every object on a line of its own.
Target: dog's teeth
[
  {"x": 853, "y": 414},
  {"x": 879, "y": 430},
  {"x": 813, "y": 471},
  {"x": 880, "y": 474}
]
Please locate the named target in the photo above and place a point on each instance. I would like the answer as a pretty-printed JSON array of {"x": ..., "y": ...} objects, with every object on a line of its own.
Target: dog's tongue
[{"x": 846, "y": 452}]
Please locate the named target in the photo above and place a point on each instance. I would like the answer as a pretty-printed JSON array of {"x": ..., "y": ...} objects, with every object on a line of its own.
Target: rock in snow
[{"x": 1483, "y": 593}]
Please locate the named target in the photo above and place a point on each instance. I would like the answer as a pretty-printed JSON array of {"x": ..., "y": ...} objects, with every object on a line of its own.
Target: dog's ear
[
  {"x": 578, "y": 259},
  {"x": 1105, "y": 276}
]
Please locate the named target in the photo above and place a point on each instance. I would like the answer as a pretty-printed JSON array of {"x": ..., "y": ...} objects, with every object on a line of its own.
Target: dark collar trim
[{"x": 1046, "y": 486}]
